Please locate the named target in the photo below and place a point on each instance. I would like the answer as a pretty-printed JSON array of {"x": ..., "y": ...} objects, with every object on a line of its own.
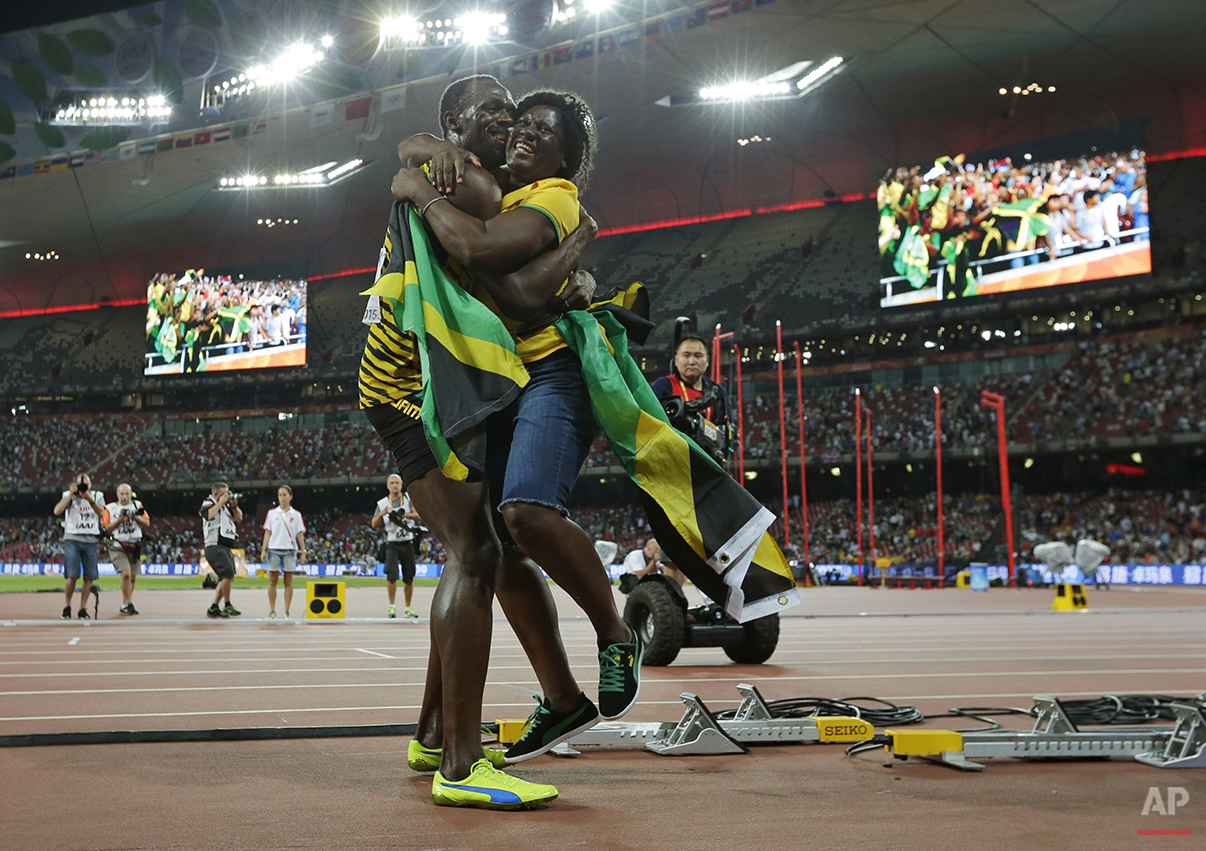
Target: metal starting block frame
[
  {"x": 700, "y": 732},
  {"x": 1055, "y": 736}
]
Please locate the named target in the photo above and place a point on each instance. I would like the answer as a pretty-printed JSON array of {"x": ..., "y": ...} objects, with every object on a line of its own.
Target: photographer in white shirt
[
  {"x": 125, "y": 521},
  {"x": 80, "y": 509}
]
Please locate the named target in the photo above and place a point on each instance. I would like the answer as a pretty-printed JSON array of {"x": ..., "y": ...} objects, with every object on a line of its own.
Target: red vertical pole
[
  {"x": 716, "y": 355},
  {"x": 871, "y": 498},
  {"x": 782, "y": 434},
  {"x": 858, "y": 477},
  {"x": 740, "y": 419},
  {"x": 997, "y": 403},
  {"x": 803, "y": 478},
  {"x": 938, "y": 448}
]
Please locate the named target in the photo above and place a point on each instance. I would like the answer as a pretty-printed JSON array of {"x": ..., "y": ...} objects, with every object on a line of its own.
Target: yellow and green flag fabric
[
  {"x": 710, "y": 526},
  {"x": 469, "y": 365}
]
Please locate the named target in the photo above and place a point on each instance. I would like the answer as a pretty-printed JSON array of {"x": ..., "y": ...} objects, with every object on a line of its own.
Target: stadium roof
[{"x": 923, "y": 80}]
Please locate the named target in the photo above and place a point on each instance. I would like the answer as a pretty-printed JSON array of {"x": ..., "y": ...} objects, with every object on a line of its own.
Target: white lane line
[
  {"x": 75, "y": 640},
  {"x": 374, "y": 653},
  {"x": 1025, "y": 695},
  {"x": 720, "y": 665},
  {"x": 685, "y": 681}
]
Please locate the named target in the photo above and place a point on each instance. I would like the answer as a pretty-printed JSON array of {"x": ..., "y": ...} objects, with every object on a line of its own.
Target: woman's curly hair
[{"x": 581, "y": 133}]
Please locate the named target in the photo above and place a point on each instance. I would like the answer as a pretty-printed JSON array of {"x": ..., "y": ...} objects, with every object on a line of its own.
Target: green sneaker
[
  {"x": 214, "y": 612},
  {"x": 272, "y": 616},
  {"x": 546, "y": 729},
  {"x": 393, "y": 611},
  {"x": 619, "y": 678},
  {"x": 231, "y": 611},
  {"x": 490, "y": 789},
  {"x": 419, "y": 758},
  {"x": 411, "y": 613}
]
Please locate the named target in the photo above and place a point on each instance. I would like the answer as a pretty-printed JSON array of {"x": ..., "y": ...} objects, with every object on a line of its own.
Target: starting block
[
  {"x": 1069, "y": 598},
  {"x": 1055, "y": 736},
  {"x": 699, "y": 731}
]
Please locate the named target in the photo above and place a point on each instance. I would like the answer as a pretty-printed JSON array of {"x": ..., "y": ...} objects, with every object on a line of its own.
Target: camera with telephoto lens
[
  {"x": 235, "y": 497},
  {"x": 127, "y": 511},
  {"x": 397, "y": 517},
  {"x": 689, "y": 417}
]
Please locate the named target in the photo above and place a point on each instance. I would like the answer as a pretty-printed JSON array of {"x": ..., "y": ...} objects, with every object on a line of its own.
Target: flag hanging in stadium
[
  {"x": 470, "y": 368},
  {"x": 709, "y": 525}
]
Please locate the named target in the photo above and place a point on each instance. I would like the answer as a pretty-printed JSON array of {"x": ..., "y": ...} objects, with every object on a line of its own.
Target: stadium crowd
[
  {"x": 198, "y": 316},
  {"x": 960, "y": 213},
  {"x": 1117, "y": 387}
]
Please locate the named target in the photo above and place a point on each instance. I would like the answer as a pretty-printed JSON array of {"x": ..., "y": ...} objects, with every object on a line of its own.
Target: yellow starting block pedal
[
  {"x": 510, "y": 729},
  {"x": 1069, "y": 597},
  {"x": 932, "y": 743}
]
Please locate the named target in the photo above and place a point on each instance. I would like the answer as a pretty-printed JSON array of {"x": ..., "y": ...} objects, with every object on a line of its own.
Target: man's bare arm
[{"x": 532, "y": 290}]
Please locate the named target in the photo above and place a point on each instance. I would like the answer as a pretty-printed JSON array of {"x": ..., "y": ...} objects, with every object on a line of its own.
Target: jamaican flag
[
  {"x": 1014, "y": 226},
  {"x": 470, "y": 368},
  {"x": 913, "y": 258},
  {"x": 710, "y": 526}
]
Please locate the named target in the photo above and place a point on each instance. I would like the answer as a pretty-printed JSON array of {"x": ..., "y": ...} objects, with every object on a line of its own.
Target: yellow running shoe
[
  {"x": 419, "y": 758},
  {"x": 490, "y": 789}
]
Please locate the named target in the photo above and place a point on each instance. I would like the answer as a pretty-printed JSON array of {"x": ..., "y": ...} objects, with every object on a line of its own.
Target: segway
[{"x": 657, "y": 609}]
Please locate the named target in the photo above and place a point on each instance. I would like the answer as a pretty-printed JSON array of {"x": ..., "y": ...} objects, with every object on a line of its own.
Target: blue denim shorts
[
  {"x": 283, "y": 561},
  {"x": 78, "y": 555},
  {"x": 536, "y": 447}
]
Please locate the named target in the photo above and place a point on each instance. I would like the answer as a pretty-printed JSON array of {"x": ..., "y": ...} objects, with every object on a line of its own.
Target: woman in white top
[{"x": 283, "y": 545}]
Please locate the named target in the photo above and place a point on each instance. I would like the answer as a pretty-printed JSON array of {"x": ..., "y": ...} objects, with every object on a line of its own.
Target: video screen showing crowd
[
  {"x": 962, "y": 229},
  {"x": 207, "y": 323}
]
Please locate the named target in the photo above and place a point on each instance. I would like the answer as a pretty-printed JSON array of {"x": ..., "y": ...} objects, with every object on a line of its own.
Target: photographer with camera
[
  {"x": 396, "y": 512},
  {"x": 124, "y": 522},
  {"x": 283, "y": 546},
  {"x": 219, "y": 513},
  {"x": 80, "y": 509},
  {"x": 703, "y": 415}
]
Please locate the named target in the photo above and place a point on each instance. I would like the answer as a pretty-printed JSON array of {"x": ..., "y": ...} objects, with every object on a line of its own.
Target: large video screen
[
  {"x": 198, "y": 322},
  {"x": 961, "y": 228}
]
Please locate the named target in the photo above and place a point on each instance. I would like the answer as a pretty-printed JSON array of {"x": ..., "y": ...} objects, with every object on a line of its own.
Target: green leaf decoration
[
  {"x": 248, "y": 33},
  {"x": 91, "y": 76},
  {"x": 333, "y": 81},
  {"x": 90, "y": 42},
  {"x": 55, "y": 54},
  {"x": 7, "y": 125},
  {"x": 168, "y": 80},
  {"x": 203, "y": 13},
  {"x": 103, "y": 138},
  {"x": 30, "y": 82},
  {"x": 50, "y": 136},
  {"x": 146, "y": 19},
  {"x": 7, "y": 152}
]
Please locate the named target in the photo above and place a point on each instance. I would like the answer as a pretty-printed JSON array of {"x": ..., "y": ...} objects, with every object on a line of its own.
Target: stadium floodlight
[
  {"x": 402, "y": 29},
  {"x": 745, "y": 90},
  {"x": 794, "y": 81},
  {"x": 327, "y": 41},
  {"x": 89, "y": 107},
  {"x": 325, "y": 174},
  {"x": 478, "y": 27},
  {"x": 819, "y": 75}
]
